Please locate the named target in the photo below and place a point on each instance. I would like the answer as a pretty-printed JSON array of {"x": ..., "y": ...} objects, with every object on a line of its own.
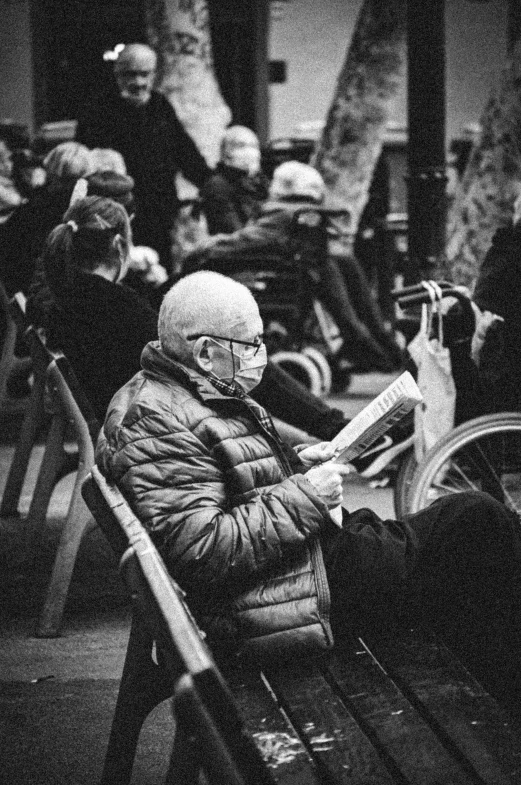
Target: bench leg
[
  {"x": 77, "y": 520},
  {"x": 49, "y": 468},
  {"x": 31, "y": 423},
  {"x": 7, "y": 358},
  {"x": 144, "y": 685},
  {"x": 184, "y": 768}
]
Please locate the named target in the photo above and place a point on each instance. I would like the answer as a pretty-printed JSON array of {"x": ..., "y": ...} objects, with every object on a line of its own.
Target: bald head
[
  {"x": 135, "y": 71},
  {"x": 204, "y": 303}
]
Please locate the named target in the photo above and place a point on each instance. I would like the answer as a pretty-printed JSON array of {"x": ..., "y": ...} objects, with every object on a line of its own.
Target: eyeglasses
[{"x": 254, "y": 345}]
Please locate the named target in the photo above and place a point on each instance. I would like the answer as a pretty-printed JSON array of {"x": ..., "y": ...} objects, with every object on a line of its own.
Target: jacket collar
[{"x": 156, "y": 363}]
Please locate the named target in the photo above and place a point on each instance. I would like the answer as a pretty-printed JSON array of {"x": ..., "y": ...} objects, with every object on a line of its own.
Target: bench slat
[
  {"x": 445, "y": 691},
  {"x": 275, "y": 737},
  {"x": 342, "y": 751},
  {"x": 410, "y": 748}
]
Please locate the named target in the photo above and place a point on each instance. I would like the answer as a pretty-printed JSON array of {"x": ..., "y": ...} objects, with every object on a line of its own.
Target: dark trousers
[
  {"x": 347, "y": 295},
  {"x": 455, "y": 566}
]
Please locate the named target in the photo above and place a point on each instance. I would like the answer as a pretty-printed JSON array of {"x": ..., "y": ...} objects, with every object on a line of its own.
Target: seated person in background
[
  {"x": 23, "y": 236},
  {"x": 102, "y": 325},
  {"x": 342, "y": 286},
  {"x": 254, "y": 531},
  {"x": 233, "y": 195},
  {"x": 106, "y": 160},
  {"x": 498, "y": 294},
  {"x": 144, "y": 272},
  {"x": 99, "y": 325}
]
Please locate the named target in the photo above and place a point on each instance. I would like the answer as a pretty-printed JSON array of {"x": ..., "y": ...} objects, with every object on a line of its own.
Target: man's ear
[{"x": 202, "y": 353}]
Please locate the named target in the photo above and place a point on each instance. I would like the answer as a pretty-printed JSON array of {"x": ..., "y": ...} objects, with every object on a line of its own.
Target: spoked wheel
[{"x": 483, "y": 454}]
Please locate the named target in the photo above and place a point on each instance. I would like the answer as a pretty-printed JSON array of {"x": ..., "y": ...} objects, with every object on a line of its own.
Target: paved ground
[{"x": 57, "y": 695}]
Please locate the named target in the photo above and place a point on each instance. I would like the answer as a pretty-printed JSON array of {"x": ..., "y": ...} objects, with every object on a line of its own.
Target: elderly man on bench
[{"x": 254, "y": 532}]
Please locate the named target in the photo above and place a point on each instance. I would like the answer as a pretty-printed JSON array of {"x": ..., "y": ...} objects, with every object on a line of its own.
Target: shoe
[{"x": 382, "y": 452}]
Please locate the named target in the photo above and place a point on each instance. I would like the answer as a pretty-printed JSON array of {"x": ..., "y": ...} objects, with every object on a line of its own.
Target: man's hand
[
  {"x": 316, "y": 454},
  {"x": 327, "y": 480}
]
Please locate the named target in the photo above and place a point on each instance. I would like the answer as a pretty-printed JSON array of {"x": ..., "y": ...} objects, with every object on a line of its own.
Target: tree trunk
[
  {"x": 179, "y": 31},
  {"x": 372, "y": 74},
  {"x": 483, "y": 201}
]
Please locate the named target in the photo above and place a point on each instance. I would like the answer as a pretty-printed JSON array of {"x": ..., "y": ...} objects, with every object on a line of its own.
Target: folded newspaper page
[{"x": 372, "y": 422}]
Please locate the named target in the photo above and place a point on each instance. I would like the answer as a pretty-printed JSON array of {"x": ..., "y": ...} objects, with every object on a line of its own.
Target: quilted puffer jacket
[{"x": 236, "y": 528}]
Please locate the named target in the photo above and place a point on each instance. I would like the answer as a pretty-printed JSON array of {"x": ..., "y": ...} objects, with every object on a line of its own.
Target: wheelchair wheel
[
  {"x": 324, "y": 369},
  {"x": 483, "y": 454},
  {"x": 302, "y": 368},
  {"x": 403, "y": 483}
]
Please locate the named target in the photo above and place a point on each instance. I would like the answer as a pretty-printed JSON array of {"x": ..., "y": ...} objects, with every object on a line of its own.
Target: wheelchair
[{"x": 300, "y": 334}]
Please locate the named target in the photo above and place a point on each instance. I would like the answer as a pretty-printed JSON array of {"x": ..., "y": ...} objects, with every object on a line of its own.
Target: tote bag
[{"x": 434, "y": 417}]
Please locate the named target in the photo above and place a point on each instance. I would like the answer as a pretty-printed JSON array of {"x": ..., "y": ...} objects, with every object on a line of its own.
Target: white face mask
[
  {"x": 245, "y": 158},
  {"x": 250, "y": 370},
  {"x": 247, "y": 371}
]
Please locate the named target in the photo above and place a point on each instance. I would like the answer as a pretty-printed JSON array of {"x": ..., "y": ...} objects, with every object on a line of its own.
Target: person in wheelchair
[
  {"x": 338, "y": 280},
  {"x": 234, "y": 193}
]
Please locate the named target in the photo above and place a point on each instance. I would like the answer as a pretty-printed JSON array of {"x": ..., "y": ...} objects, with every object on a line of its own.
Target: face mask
[
  {"x": 250, "y": 370},
  {"x": 247, "y": 371},
  {"x": 245, "y": 158}
]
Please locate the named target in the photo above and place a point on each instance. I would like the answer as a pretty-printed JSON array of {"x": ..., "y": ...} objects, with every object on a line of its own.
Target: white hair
[
  {"x": 203, "y": 302},
  {"x": 135, "y": 54},
  {"x": 104, "y": 159},
  {"x": 68, "y": 161}
]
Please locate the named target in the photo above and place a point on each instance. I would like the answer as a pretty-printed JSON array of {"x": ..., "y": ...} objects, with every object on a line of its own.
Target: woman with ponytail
[{"x": 100, "y": 324}]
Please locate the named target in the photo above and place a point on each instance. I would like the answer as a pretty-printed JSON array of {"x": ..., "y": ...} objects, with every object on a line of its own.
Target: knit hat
[{"x": 114, "y": 186}]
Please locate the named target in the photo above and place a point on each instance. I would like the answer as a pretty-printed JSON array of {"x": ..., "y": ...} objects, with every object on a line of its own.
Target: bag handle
[{"x": 435, "y": 293}]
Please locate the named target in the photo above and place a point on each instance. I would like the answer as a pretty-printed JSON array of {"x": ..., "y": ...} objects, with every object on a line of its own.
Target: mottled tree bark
[
  {"x": 372, "y": 74},
  {"x": 483, "y": 201},
  {"x": 179, "y": 31}
]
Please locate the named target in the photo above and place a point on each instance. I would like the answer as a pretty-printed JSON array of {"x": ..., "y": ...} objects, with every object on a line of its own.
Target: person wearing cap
[
  {"x": 343, "y": 287},
  {"x": 142, "y": 125},
  {"x": 234, "y": 194}
]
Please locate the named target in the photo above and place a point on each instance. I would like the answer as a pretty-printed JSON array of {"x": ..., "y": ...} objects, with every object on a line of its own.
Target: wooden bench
[
  {"x": 58, "y": 404},
  {"x": 400, "y": 711}
]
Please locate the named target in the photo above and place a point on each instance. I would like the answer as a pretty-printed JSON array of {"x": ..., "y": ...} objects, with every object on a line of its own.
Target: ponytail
[{"x": 57, "y": 257}]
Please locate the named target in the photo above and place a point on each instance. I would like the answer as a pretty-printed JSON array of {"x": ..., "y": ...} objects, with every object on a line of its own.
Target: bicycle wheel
[
  {"x": 403, "y": 483},
  {"x": 483, "y": 454}
]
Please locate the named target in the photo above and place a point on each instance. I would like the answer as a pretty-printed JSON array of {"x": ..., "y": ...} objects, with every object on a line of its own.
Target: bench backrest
[
  {"x": 201, "y": 688},
  {"x": 60, "y": 377}
]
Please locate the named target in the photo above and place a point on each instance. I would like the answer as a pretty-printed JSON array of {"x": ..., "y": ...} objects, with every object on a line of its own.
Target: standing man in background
[{"x": 142, "y": 125}]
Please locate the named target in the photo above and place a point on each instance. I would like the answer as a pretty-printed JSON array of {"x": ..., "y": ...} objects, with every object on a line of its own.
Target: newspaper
[{"x": 372, "y": 422}]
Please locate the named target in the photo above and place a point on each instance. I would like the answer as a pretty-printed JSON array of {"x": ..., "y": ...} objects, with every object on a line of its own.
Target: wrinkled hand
[
  {"x": 316, "y": 454},
  {"x": 327, "y": 480}
]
